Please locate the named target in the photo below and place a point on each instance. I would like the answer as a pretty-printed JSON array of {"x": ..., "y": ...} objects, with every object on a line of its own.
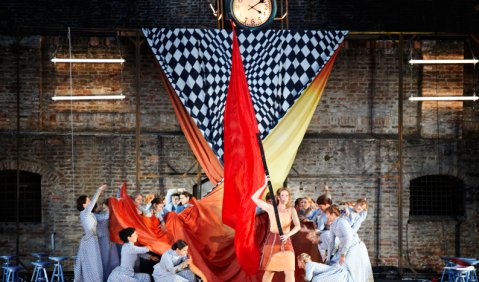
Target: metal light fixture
[
  {"x": 426, "y": 62},
  {"x": 445, "y": 98},
  {"x": 88, "y": 97},
  {"x": 97, "y": 61}
]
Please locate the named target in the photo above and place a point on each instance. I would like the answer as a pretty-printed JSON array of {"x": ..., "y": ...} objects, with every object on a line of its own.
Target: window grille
[
  {"x": 437, "y": 195},
  {"x": 30, "y": 196}
]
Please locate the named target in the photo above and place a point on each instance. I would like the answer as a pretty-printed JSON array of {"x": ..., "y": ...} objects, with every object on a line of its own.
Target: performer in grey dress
[
  {"x": 316, "y": 272},
  {"x": 352, "y": 252},
  {"x": 129, "y": 254},
  {"x": 173, "y": 266},
  {"x": 108, "y": 250},
  {"x": 88, "y": 265}
]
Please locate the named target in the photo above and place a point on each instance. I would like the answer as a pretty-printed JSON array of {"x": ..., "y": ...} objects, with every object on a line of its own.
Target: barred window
[
  {"x": 30, "y": 196},
  {"x": 437, "y": 195}
]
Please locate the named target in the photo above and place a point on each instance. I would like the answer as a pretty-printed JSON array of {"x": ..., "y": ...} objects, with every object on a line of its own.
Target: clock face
[{"x": 252, "y": 13}]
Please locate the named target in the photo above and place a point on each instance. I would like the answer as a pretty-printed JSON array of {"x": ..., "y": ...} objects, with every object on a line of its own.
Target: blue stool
[
  {"x": 58, "y": 269},
  {"x": 12, "y": 275},
  {"x": 40, "y": 256},
  {"x": 7, "y": 262},
  {"x": 40, "y": 271},
  {"x": 459, "y": 273}
]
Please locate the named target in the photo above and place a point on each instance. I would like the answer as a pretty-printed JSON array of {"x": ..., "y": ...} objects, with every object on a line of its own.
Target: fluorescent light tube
[
  {"x": 469, "y": 61},
  {"x": 90, "y": 97},
  {"x": 444, "y": 98},
  {"x": 108, "y": 61}
]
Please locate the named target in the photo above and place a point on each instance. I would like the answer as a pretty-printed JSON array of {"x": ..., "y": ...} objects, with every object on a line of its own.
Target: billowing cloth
[
  {"x": 125, "y": 272},
  {"x": 277, "y": 256},
  {"x": 88, "y": 265},
  {"x": 168, "y": 269},
  {"x": 108, "y": 250}
]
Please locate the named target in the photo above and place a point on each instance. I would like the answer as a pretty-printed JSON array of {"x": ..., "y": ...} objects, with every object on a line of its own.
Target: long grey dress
[
  {"x": 356, "y": 255},
  {"x": 108, "y": 250},
  {"x": 125, "y": 272},
  {"x": 318, "y": 272},
  {"x": 167, "y": 270},
  {"x": 88, "y": 265}
]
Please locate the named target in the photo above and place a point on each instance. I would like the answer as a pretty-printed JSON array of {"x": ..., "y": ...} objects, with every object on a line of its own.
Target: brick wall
[{"x": 351, "y": 144}]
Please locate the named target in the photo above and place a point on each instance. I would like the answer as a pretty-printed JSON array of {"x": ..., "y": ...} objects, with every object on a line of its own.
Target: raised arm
[
  {"x": 358, "y": 220},
  {"x": 256, "y": 196},
  {"x": 93, "y": 200}
]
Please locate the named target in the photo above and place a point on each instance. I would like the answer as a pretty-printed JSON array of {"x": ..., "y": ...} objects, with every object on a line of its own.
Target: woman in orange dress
[{"x": 278, "y": 253}]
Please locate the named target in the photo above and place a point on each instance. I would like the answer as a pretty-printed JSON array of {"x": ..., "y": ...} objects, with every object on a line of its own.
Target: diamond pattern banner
[{"x": 279, "y": 65}]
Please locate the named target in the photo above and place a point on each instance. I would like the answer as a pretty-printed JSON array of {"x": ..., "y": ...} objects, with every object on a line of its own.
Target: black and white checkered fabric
[{"x": 279, "y": 65}]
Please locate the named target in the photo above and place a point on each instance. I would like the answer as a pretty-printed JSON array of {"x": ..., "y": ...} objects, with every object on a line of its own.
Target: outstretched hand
[{"x": 104, "y": 187}]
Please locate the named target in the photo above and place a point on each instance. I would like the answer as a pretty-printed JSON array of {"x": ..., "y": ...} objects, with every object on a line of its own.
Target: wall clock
[{"x": 252, "y": 14}]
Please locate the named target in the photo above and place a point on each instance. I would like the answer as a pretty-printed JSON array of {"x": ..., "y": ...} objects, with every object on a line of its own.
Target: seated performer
[
  {"x": 185, "y": 197},
  {"x": 174, "y": 265},
  {"x": 172, "y": 199},
  {"x": 129, "y": 254},
  {"x": 316, "y": 272},
  {"x": 156, "y": 210},
  {"x": 278, "y": 253}
]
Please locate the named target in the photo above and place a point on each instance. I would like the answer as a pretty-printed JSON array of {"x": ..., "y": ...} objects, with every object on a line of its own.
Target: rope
[{"x": 71, "y": 110}]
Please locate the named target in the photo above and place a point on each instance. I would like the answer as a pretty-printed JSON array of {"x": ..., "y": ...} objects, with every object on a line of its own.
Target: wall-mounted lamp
[
  {"x": 426, "y": 62},
  {"x": 89, "y": 97},
  {"x": 94, "y": 61}
]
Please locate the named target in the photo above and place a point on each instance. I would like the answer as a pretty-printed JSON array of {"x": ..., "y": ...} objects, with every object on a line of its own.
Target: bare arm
[
  {"x": 296, "y": 228},
  {"x": 256, "y": 196}
]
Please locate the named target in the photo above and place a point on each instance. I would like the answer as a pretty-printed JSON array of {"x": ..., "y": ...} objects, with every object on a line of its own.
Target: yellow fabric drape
[{"x": 282, "y": 143}]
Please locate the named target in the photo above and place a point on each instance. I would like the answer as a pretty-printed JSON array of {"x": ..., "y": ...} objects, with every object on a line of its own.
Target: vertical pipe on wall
[
  {"x": 400, "y": 152},
  {"x": 16, "y": 50},
  {"x": 137, "y": 111},
  {"x": 378, "y": 219}
]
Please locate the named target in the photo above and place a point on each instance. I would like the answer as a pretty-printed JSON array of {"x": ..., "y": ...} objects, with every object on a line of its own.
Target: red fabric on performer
[
  {"x": 123, "y": 214},
  {"x": 243, "y": 166}
]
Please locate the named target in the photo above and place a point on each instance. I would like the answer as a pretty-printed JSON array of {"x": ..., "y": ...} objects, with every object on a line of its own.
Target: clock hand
[
  {"x": 252, "y": 7},
  {"x": 259, "y": 2}
]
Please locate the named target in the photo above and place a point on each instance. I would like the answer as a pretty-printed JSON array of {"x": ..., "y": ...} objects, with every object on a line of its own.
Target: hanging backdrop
[
  {"x": 200, "y": 110},
  {"x": 279, "y": 65}
]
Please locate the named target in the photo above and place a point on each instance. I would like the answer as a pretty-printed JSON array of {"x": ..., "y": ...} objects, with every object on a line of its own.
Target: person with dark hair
[
  {"x": 297, "y": 204},
  {"x": 172, "y": 199},
  {"x": 156, "y": 210},
  {"x": 174, "y": 265},
  {"x": 352, "y": 252},
  {"x": 129, "y": 254},
  {"x": 109, "y": 252},
  {"x": 185, "y": 198},
  {"x": 321, "y": 222},
  {"x": 278, "y": 252},
  {"x": 88, "y": 265}
]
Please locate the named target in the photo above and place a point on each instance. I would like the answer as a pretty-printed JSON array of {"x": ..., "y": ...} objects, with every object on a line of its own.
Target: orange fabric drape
[{"x": 203, "y": 153}]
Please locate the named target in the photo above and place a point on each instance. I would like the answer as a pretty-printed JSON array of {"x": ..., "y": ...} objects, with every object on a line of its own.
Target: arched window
[
  {"x": 436, "y": 195},
  {"x": 30, "y": 196}
]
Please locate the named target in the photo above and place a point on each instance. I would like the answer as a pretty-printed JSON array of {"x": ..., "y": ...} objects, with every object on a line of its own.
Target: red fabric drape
[
  {"x": 123, "y": 214},
  {"x": 244, "y": 172}
]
